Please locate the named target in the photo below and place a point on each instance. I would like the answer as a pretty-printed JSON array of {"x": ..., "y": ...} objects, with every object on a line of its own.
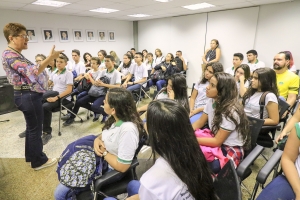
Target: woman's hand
[
  {"x": 99, "y": 146},
  {"x": 192, "y": 113},
  {"x": 173, "y": 63},
  {"x": 136, "y": 197},
  {"x": 242, "y": 78},
  {"x": 54, "y": 54},
  {"x": 163, "y": 68},
  {"x": 280, "y": 136},
  {"x": 171, "y": 94}
]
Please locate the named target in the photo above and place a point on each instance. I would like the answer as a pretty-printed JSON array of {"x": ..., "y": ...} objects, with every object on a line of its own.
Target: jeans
[
  {"x": 30, "y": 103},
  {"x": 134, "y": 87},
  {"x": 159, "y": 84},
  {"x": 61, "y": 192},
  {"x": 48, "y": 108},
  {"x": 279, "y": 188},
  {"x": 132, "y": 189},
  {"x": 85, "y": 103},
  {"x": 195, "y": 117}
]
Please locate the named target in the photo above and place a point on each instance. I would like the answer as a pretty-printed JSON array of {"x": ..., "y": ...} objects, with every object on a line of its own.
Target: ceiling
[{"x": 129, "y": 7}]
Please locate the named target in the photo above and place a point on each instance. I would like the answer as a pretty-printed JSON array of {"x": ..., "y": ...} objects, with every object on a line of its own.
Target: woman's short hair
[{"x": 13, "y": 29}]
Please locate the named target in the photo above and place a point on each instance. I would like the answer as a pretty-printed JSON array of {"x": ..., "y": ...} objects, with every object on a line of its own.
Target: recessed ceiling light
[
  {"x": 139, "y": 15},
  {"x": 164, "y": 0},
  {"x": 198, "y": 6},
  {"x": 50, "y": 3},
  {"x": 104, "y": 10}
]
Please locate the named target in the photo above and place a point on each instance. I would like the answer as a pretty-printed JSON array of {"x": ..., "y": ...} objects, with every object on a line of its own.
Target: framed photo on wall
[
  {"x": 64, "y": 35},
  {"x": 111, "y": 36},
  {"x": 32, "y": 37},
  {"x": 90, "y": 35},
  {"x": 47, "y": 35},
  {"x": 102, "y": 36},
  {"x": 77, "y": 35}
]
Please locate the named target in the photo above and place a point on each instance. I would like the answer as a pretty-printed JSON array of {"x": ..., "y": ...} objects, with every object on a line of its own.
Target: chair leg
[
  {"x": 81, "y": 120},
  {"x": 243, "y": 186},
  {"x": 59, "y": 132},
  {"x": 254, "y": 191}
]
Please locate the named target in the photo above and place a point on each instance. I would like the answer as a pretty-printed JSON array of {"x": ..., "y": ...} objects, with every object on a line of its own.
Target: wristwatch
[{"x": 104, "y": 153}]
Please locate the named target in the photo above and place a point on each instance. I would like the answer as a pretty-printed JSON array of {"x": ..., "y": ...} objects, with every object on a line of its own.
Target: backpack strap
[{"x": 262, "y": 104}]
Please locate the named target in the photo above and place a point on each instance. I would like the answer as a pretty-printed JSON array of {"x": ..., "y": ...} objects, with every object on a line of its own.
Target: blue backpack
[{"x": 78, "y": 165}]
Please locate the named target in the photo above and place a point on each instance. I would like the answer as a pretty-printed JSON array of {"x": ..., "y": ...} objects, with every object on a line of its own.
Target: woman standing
[
  {"x": 30, "y": 82},
  {"x": 213, "y": 54}
]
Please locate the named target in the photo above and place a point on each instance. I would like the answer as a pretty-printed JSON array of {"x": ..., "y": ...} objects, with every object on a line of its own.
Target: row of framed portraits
[{"x": 65, "y": 35}]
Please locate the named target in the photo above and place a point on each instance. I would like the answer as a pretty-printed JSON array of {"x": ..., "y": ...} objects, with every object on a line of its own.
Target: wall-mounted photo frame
[
  {"x": 77, "y": 35},
  {"x": 102, "y": 36},
  {"x": 47, "y": 35},
  {"x": 64, "y": 35},
  {"x": 111, "y": 36},
  {"x": 32, "y": 37},
  {"x": 90, "y": 35}
]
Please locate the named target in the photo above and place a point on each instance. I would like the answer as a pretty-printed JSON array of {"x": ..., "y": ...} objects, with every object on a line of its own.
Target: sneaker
[
  {"x": 23, "y": 134},
  {"x": 49, "y": 163},
  {"x": 96, "y": 117},
  {"x": 68, "y": 122},
  {"x": 66, "y": 117},
  {"x": 103, "y": 119},
  {"x": 45, "y": 138}
]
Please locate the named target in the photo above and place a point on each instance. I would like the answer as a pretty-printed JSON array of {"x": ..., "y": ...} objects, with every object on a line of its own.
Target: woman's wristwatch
[{"x": 105, "y": 153}]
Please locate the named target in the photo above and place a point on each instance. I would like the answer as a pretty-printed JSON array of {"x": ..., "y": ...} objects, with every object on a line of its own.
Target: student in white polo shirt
[
  {"x": 237, "y": 61},
  {"x": 226, "y": 119},
  {"x": 77, "y": 66},
  {"x": 181, "y": 171},
  {"x": 62, "y": 81},
  {"x": 253, "y": 62},
  {"x": 140, "y": 72},
  {"x": 114, "y": 77},
  {"x": 117, "y": 143}
]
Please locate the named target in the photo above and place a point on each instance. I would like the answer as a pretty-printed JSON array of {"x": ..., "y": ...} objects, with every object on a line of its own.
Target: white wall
[
  {"x": 268, "y": 29},
  {"x": 123, "y": 33}
]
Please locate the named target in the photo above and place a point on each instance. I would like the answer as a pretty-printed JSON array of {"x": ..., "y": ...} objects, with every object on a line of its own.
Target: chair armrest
[
  {"x": 112, "y": 176},
  {"x": 244, "y": 165},
  {"x": 268, "y": 167},
  {"x": 61, "y": 99},
  {"x": 270, "y": 127}
]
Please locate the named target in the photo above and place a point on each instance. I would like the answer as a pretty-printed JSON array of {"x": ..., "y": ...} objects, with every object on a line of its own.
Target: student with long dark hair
[
  {"x": 124, "y": 67},
  {"x": 263, "y": 80},
  {"x": 198, "y": 98},
  {"x": 87, "y": 60},
  {"x": 176, "y": 90},
  {"x": 226, "y": 119},
  {"x": 242, "y": 75},
  {"x": 181, "y": 171}
]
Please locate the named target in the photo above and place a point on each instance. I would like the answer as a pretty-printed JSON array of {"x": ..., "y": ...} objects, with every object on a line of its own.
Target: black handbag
[{"x": 158, "y": 75}]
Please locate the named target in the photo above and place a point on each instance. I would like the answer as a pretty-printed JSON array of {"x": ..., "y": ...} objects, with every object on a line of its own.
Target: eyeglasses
[{"x": 24, "y": 36}]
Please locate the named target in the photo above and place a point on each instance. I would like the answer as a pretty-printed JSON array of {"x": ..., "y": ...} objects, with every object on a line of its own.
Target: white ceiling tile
[
  {"x": 261, "y": 2},
  {"x": 79, "y": 6},
  {"x": 238, "y": 5},
  {"x": 188, "y": 2},
  {"x": 19, "y": 1},
  {"x": 95, "y": 3},
  {"x": 64, "y": 11},
  {"x": 222, "y": 2},
  {"x": 120, "y": 6},
  {"x": 11, "y": 5},
  {"x": 37, "y": 8},
  {"x": 138, "y": 3}
]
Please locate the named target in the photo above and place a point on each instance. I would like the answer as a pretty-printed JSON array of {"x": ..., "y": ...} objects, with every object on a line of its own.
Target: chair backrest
[
  {"x": 226, "y": 184},
  {"x": 283, "y": 106},
  {"x": 255, "y": 125}
]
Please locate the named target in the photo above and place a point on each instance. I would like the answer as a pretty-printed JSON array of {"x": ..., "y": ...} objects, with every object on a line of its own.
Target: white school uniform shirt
[
  {"x": 256, "y": 65},
  {"x": 252, "y": 107},
  {"x": 159, "y": 60},
  {"x": 124, "y": 71},
  {"x": 121, "y": 140},
  {"x": 150, "y": 66},
  {"x": 293, "y": 68},
  {"x": 246, "y": 84},
  {"x": 201, "y": 98},
  {"x": 234, "y": 138},
  {"x": 161, "y": 183},
  {"x": 94, "y": 73},
  {"x": 230, "y": 70},
  {"x": 114, "y": 76},
  {"x": 79, "y": 67},
  {"x": 61, "y": 81},
  {"x": 139, "y": 72},
  {"x": 297, "y": 161}
]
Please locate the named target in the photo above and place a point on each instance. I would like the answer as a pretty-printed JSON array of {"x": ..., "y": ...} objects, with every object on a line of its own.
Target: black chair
[
  {"x": 263, "y": 174},
  {"x": 266, "y": 140},
  {"x": 226, "y": 184},
  {"x": 114, "y": 182},
  {"x": 243, "y": 170},
  {"x": 137, "y": 94}
]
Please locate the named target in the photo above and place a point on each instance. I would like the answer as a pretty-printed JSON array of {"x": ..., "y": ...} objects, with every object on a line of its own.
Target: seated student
[
  {"x": 78, "y": 67},
  {"x": 102, "y": 55},
  {"x": 287, "y": 81},
  {"x": 168, "y": 67},
  {"x": 120, "y": 135},
  {"x": 176, "y": 90},
  {"x": 237, "y": 61},
  {"x": 253, "y": 62},
  {"x": 242, "y": 75},
  {"x": 198, "y": 98},
  {"x": 159, "y": 58},
  {"x": 62, "y": 83},
  {"x": 263, "y": 80},
  {"x": 150, "y": 64},
  {"x": 140, "y": 74},
  {"x": 87, "y": 61},
  {"x": 115, "y": 81},
  {"x": 287, "y": 185},
  {"x": 180, "y": 171},
  {"x": 124, "y": 67},
  {"x": 226, "y": 119}
]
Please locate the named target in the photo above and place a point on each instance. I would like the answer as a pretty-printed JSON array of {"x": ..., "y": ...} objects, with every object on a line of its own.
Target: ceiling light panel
[
  {"x": 198, "y": 6},
  {"x": 50, "y": 3},
  {"x": 164, "y": 0},
  {"x": 104, "y": 10},
  {"x": 139, "y": 15}
]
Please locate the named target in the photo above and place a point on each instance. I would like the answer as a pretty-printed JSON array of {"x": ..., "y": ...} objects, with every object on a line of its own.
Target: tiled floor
[{"x": 19, "y": 181}]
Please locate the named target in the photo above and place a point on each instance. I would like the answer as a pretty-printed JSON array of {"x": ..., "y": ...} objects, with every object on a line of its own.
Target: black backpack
[{"x": 179, "y": 63}]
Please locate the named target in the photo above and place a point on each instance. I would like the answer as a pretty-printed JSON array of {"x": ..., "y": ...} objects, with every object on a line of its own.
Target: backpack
[
  {"x": 84, "y": 85},
  {"x": 78, "y": 165},
  {"x": 179, "y": 63},
  {"x": 158, "y": 75},
  {"x": 96, "y": 91}
]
